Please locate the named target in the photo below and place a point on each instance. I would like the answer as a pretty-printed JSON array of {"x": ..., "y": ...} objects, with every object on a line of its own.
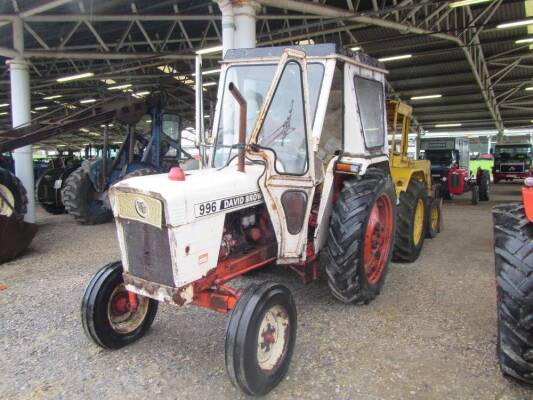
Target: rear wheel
[
  {"x": 82, "y": 201},
  {"x": 513, "y": 248},
  {"x": 411, "y": 229},
  {"x": 361, "y": 231},
  {"x": 434, "y": 220},
  {"x": 474, "y": 195},
  {"x": 260, "y": 338},
  {"x": 484, "y": 186},
  {"x": 13, "y": 196},
  {"x": 106, "y": 313}
]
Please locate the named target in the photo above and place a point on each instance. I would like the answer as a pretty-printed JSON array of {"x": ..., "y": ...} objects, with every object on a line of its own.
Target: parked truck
[
  {"x": 512, "y": 161},
  {"x": 450, "y": 160}
]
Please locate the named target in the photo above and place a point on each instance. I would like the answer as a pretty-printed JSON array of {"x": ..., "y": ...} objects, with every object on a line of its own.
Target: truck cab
[{"x": 512, "y": 161}]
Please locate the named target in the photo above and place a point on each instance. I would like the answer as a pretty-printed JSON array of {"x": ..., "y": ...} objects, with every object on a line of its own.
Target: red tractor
[{"x": 513, "y": 250}]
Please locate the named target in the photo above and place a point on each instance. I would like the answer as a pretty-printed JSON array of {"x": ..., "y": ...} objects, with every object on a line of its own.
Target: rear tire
[
  {"x": 484, "y": 186},
  {"x": 356, "y": 270},
  {"x": 513, "y": 248},
  {"x": 475, "y": 195},
  {"x": 80, "y": 200},
  {"x": 411, "y": 229},
  {"x": 14, "y": 192},
  {"x": 105, "y": 314},
  {"x": 434, "y": 218},
  {"x": 260, "y": 338}
]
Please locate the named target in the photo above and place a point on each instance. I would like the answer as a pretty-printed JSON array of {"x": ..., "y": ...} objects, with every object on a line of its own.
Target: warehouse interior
[{"x": 88, "y": 83}]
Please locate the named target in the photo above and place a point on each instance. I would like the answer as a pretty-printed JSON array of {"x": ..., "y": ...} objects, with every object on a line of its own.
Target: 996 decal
[{"x": 219, "y": 205}]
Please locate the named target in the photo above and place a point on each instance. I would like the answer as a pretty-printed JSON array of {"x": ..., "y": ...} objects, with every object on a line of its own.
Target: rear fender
[{"x": 527, "y": 196}]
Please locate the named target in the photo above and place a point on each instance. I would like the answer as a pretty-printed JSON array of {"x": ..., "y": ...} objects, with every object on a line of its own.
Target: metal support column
[
  {"x": 245, "y": 18},
  {"x": 20, "y": 115}
]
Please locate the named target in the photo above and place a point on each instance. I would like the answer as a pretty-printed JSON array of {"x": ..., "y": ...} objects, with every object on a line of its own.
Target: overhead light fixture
[
  {"x": 394, "y": 58},
  {"x": 109, "y": 125},
  {"x": 464, "y": 3},
  {"x": 94, "y": 134},
  {"x": 117, "y": 142},
  {"x": 61, "y": 145},
  {"x": 118, "y": 87},
  {"x": 108, "y": 81},
  {"x": 86, "y": 101},
  {"x": 209, "y": 72},
  {"x": 210, "y": 50},
  {"x": 148, "y": 121},
  {"x": 84, "y": 130},
  {"x": 356, "y": 48},
  {"x": 529, "y": 88},
  {"x": 75, "y": 77},
  {"x": 4, "y": 113},
  {"x": 167, "y": 69},
  {"x": 429, "y": 96},
  {"x": 55, "y": 96},
  {"x": 447, "y": 125},
  {"x": 41, "y": 108},
  {"x": 304, "y": 42},
  {"x": 4, "y": 104},
  {"x": 513, "y": 24},
  {"x": 209, "y": 84},
  {"x": 141, "y": 94},
  {"x": 527, "y": 40}
]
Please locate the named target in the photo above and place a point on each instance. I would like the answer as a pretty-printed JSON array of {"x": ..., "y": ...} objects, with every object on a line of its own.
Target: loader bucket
[{"x": 15, "y": 236}]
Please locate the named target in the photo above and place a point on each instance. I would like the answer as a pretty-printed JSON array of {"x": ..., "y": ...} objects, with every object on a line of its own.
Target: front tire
[
  {"x": 513, "y": 248},
  {"x": 106, "y": 312},
  {"x": 411, "y": 230},
  {"x": 14, "y": 193},
  {"x": 360, "y": 237},
  {"x": 260, "y": 338}
]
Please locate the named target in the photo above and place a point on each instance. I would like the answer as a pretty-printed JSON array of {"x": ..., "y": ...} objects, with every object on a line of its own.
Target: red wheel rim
[{"x": 378, "y": 238}]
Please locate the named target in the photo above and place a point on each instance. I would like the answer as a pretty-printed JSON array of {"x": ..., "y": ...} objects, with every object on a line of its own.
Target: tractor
[
  {"x": 513, "y": 252},
  {"x": 298, "y": 176},
  {"x": 52, "y": 181},
  {"x": 420, "y": 203},
  {"x": 151, "y": 145},
  {"x": 450, "y": 158}
]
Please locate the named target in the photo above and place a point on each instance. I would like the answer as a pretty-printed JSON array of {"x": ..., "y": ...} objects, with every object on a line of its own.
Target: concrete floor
[{"x": 429, "y": 335}]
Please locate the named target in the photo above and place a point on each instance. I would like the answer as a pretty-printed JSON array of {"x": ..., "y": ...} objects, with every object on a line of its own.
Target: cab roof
[{"x": 312, "y": 50}]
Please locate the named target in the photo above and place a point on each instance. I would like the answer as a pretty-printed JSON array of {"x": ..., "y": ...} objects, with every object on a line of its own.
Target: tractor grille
[
  {"x": 148, "y": 252},
  {"x": 512, "y": 168}
]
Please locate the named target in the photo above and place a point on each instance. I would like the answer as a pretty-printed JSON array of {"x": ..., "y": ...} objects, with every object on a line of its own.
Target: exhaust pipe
[{"x": 242, "y": 124}]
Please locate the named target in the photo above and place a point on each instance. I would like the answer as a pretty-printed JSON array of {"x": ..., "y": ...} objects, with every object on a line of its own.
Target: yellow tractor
[{"x": 419, "y": 202}]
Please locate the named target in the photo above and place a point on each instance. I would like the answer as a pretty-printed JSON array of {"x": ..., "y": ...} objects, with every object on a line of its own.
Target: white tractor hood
[{"x": 203, "y": 193}]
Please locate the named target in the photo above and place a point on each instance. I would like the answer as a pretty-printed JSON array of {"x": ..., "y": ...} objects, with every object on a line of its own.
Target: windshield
[
  {"x": 439, "y": 156},
  {"x": 253, "y": 81},
  {"x": 508, "y": 152}
]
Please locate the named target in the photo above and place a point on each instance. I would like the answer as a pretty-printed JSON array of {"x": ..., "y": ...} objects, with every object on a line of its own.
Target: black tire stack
[{"x": 513, "y": 249}]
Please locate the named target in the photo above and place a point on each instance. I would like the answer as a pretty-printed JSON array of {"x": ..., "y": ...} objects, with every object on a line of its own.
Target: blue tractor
[{"x": 152, "y": 145}]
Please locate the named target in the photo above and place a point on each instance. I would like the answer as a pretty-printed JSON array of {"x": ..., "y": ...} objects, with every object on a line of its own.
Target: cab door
[{"x": 282, "y": 140}]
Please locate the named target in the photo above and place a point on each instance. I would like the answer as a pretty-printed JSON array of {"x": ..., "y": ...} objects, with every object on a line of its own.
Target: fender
[{"x": 527, "y": 197}]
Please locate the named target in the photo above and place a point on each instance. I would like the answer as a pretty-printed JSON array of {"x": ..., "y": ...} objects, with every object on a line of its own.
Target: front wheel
[
  {"x": 360, "y": 237},
  {"x": 260, "y": 338},
  {"x": 106, "y": 313}
]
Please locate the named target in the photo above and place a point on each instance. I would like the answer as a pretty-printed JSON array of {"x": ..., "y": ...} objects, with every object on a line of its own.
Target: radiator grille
[
  {"x": 512, "y": 168},
  {"x": 148, "y": 252}
]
